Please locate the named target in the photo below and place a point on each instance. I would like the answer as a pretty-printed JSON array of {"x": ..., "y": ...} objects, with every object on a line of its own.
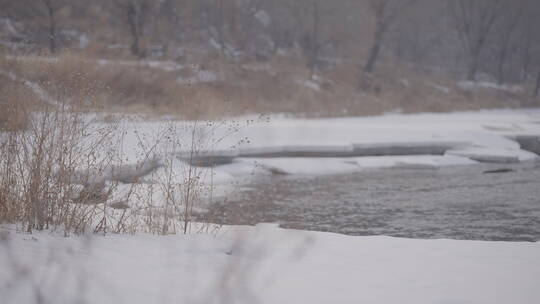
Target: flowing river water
[{"x": 478, "y": 202}]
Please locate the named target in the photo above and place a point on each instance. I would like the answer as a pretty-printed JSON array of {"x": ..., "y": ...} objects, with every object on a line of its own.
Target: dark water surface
[{"x": 463, "y": 202}]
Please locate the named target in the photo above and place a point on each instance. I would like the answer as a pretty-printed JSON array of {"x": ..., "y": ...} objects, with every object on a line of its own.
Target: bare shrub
[
  {"x": 44, "y": 140},
  {"x": 37, "y": 168},
  {"x": 163, "y": 201},
  {"x": 67, "y": 172}
]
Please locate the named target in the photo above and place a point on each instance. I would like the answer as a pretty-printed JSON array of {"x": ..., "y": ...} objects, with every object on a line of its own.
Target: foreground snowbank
[{"x": 265, "y": 264}]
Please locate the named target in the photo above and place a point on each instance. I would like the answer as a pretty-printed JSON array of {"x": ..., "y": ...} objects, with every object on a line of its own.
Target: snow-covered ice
[
  {"x": 330, "y": 146},
  {"x": 469, "y": 137}
]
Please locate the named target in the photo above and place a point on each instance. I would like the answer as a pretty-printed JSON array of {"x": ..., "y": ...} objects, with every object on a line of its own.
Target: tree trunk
[
  {"x": 500, "y": 66},
  {"x": 135, "y": 48},
  {"x": 525, "y": 57},
  {"x": 135, "y": 44},
  {"x": 52, "y": 27},
  {"x": 314, "y": 38},
  {"x": 525, "y": 61},
  {"x": 473, "y": 65},
  {"x": 537, "y": 87},
  {"x": 374, "y": 52},
  {"x": 133, "y": 19},
  {"x": 221, "y": 28},
  {"x": 52, "y": 35}
]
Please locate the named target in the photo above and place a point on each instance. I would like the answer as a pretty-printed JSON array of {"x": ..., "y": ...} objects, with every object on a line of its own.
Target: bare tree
[
  {"x": 312, "y": 18},
  {"x": 169, "y": 27},
  {"x": 51, "y": 7},
  {"x": 513, "y": 11},
  {"x": 312, "y": 41},
  {"x": 527, "y": 39},
  {"x": 283, "y": 29},
  {"x": 384, "y": 13},
  {"x": 531, "y": 24},
  {"x": 537, "y": 86},
  {"x": 136, "y": 14},
  {"x": 218, "y": 16},
  {"x": 41, "y": 14},
  {"x": 220, "y": 25},
  {"x": 474, "y": 20}
]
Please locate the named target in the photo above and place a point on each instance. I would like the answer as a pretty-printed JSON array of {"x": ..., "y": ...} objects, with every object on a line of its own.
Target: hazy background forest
[{"x": 308, "y": 57}]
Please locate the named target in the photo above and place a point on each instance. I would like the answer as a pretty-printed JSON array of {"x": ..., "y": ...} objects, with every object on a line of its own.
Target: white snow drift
[{"x": 265, "y": 265}]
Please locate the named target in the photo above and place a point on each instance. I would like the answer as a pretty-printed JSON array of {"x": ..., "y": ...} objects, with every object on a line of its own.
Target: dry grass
[
  {"x": 273, "y": 87},
  {"x": 14, "y": 98},
  {"x": 63, "y": 172}
]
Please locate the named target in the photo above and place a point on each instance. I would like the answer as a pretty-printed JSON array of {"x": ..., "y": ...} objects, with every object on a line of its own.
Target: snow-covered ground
[{"x": 265, "y": 264}]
